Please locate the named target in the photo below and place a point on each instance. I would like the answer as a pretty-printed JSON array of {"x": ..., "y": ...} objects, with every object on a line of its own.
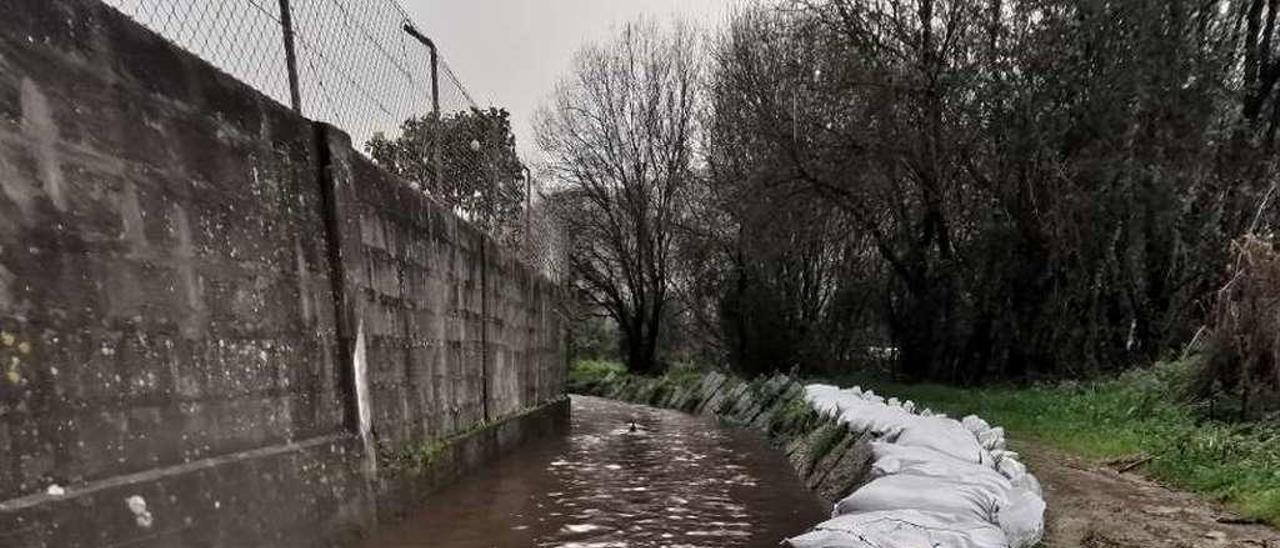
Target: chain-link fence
[
  {"x": 363, "y": 66},
  {"x": 354, "y": 64}
]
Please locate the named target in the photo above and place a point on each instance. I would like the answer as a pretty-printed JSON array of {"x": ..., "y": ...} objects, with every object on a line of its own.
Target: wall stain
[{"x": 39, "y": 127}]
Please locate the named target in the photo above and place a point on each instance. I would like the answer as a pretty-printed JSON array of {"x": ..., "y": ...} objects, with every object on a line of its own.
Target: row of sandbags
[{"x": 936, "y": 482}]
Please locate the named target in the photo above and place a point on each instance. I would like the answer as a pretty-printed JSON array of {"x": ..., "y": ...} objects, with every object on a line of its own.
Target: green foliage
[
  {"x": 415, "y": 458},
  {"x": 586, "y": 373},
  {"x": 591, "y": 337},
  {"x": 1046, "y": 189},
  {"x": 1140, "y": 412},
  {"x": 827, "y": 438},
  {"x": 1243, "y": 369},
  {"x": 481, "y": 175}
]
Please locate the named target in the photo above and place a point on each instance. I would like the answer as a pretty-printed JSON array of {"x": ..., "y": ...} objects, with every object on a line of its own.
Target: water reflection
[{"x": 676, "y": 480}]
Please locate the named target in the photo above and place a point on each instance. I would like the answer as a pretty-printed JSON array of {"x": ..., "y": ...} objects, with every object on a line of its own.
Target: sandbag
[
  {"x": 992, "y": 439},
  {"x": 1021, "y": 518},
  {"x": 936, "y": 481},
  {"x": 945, "y": 436},
  {"x": 892, "y": 458},
  {"x": 1028, "y": 483},
  {"x": 945, "y": 496},
  {"x": 975, "y": 424},
  {"x": 900, "y": 529},
  {"x": 868, "y": 415},
  {"x": 1019, "y": 508}
]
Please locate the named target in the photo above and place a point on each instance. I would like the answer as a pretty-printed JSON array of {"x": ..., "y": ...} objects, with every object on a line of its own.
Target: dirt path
[{"x": 1096, "y": 507}]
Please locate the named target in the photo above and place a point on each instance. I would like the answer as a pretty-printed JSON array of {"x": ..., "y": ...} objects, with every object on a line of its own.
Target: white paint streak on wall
[
  {"x": 38, "y": 125},
  {"x": 304, "y": 283},
  {"x": 363, "y": 403},
  {"x": 16, "y": 189},
  {"x": 185, "y": 257},
  {"x": 131, "y": 218}
]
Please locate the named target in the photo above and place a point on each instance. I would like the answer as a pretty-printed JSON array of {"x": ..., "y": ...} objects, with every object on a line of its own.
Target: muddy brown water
[{"x": 678, "y": 481}]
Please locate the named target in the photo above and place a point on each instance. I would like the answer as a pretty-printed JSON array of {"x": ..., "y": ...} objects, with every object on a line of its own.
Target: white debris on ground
[
  {"x": 138, "y": 506},
  {"x": 936, "y": 482}
]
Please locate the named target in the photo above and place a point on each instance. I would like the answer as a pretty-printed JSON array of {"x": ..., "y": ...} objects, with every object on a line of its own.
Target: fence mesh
[
  {"x": 358, "y": 69},
  {"x": 241, "y": 37}
]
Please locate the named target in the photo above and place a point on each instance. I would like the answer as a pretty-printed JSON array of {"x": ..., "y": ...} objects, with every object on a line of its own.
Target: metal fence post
[
  {"x": 528, "y": 211},
  {"x": 435, "y": 112},
  {"x": 290, "y": 55},
  {"x": 435, "y": 100}
]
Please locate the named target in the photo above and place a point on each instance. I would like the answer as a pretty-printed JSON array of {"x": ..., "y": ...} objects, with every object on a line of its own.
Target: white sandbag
[
  {"x": 861, "y": 415},
  {"x": 1000, "y": 454},
  {"x": 952, "y": 488},
  {"x": 936, "y": 481},
  {"x": 822, "y": 398},
  {"x": 892, "y": 458},
  {"x": 1028, "y": 483},
  {"x": 900, "y": 529},
  {"x": 992, "y": 439},
  {"x": 975, "y": 424},
  {"x": 822, "y": 389},
  {"x": 945, "y": 436},
  {"x": 1021, "y": 518},
  {"x": 1011, "y": 468},
  {"x": 944, "y": 496}
]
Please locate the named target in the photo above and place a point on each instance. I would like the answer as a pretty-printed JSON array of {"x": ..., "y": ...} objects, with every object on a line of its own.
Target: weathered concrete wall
[
  {"x": 455, "y": 330},
  {"x": 197, "y": 287}
]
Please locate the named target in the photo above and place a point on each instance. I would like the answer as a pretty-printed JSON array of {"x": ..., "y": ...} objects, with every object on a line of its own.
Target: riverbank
[
  {"x": 873, "y": 455},
  {"x": 1097, "y": 447},
  {"x": 1131, "y": 423},
  {"x": 829, "y": 458}
]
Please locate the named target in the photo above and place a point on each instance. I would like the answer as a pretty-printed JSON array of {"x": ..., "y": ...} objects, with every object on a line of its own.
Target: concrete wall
[{"x": 201, "y": 294}]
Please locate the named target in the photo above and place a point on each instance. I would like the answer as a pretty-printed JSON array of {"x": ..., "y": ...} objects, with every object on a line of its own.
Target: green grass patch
[
  {"x": 1139, "y": 413},
  {"x": 587, "y": 373}
]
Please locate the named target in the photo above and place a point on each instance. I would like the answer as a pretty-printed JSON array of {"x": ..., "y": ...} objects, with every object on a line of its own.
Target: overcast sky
[{"x": 511, "y": 53}]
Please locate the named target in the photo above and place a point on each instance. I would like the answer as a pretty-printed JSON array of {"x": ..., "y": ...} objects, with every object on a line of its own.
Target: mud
[{"x": 1095, "y": 506}]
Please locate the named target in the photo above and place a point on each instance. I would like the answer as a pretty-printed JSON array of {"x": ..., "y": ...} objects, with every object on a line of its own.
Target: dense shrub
[
  {"x": 1045, "y": 189},
  {"x": 1243, "y": 368}
]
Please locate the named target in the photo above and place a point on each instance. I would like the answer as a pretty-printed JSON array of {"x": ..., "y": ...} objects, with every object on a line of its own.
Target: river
[{"x": 676, "y": 481}]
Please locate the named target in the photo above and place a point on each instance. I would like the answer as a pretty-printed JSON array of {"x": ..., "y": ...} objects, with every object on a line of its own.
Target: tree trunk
[{"x": 639, "y": 345}]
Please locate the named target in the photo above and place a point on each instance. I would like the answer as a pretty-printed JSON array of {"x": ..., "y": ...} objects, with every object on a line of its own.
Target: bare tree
[{"x": 618, "y": 134}]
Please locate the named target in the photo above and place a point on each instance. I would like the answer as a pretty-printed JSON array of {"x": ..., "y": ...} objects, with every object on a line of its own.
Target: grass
[
  {"x": 588, "y": 372},
  {"x": 1136, "y": 414}
]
